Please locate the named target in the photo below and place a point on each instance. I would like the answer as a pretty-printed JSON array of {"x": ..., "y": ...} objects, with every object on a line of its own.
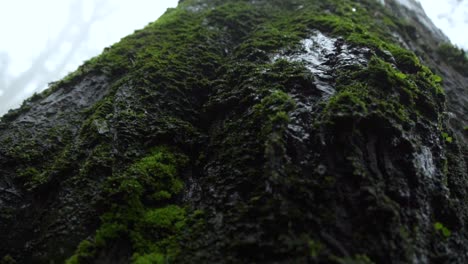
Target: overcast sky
[
  {"x": 451, "y": 16},
  {"x": 28, "y": 26}
]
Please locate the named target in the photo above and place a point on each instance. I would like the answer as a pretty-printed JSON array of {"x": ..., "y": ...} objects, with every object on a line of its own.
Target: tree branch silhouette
[{"x": 75, "y": 31}]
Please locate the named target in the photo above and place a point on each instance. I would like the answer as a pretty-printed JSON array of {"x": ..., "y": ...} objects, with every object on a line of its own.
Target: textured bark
[{"x": 247, "y": 132}]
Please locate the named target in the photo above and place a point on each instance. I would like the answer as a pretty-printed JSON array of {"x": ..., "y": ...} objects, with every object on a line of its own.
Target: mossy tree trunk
[{"x": 245, "y": 132}]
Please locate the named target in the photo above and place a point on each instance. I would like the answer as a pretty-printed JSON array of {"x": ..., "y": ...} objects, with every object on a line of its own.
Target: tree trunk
[{"x": 299, "y": 131}]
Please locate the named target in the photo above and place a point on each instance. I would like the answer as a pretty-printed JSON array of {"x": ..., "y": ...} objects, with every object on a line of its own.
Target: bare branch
[{"x": 37, "y": 73}]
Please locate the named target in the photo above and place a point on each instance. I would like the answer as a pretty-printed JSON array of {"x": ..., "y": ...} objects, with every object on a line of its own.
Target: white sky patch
[
  {"x": 451, "y": 16},
  {"x": 30, "y": 88},
  {"x": 26, "y": 26}
]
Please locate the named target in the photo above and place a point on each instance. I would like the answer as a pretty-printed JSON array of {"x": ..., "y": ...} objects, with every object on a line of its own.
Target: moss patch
[
  {"x": 455, "y": 56},
  {"x": 141, "y": 211}
]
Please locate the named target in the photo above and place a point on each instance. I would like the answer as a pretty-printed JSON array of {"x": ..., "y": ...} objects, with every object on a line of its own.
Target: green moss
[
  {"x": 382, "y": 90},
  {"x": 95, "y": 127},
  {"x": 357, "y": 259},
  {"x": 24, "y": 108},
  {"x": 109, "y": 232},
  {"x": 354, "y": 93},
  {"x": 165, "y": 218},
  {"x": 153, "y": 258},
  {"x": 447, "y": 137},
  {"x": 164, "y": 223},
  {"x": 26, "y": 151},
  {"x": 275, "y": 108},
  {"x": 405, "y": 59},
  {"x": 86, "y": 251},
  {"x": 455, "y": 56},
  {"x": 99, "y": 160},
  {"x": 347, "y": 102},
  {"x": 153, "y": 178},
  {"x": 134, "y": 214},
  {"x": 7, "y": 260},
  {"x": 157, "y": 45},
  {"x": 28, "y": 173},
  {"x": 157, "y": 172},
  {"x": 33, "y": 178},
  {"x": 413, "y": 80},
  {"x": 441, "y": 229},
  {"x": 224, "y": 50},
  {"x": 15, "y": 113},
  {"x": 315, "y": 248},
  {"x": 237, "y": 18},
  {"x": 273, "y": 113},
  {"x": 275, "y": 103},
  {"x": 342, "y": 26},
  {"x": 45, "y": 157}
]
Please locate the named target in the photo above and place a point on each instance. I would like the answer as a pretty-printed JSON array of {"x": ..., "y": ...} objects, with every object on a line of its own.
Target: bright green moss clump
[
  {"x": 141, "y": 212},
  {"x": 440, "y": 228},
  {"x": 383, "y": 90},
  {"x": 154, "y": 177}
]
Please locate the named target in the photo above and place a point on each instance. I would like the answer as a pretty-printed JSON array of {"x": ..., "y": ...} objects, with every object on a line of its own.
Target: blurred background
[{"x": 42, "y": 41}]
